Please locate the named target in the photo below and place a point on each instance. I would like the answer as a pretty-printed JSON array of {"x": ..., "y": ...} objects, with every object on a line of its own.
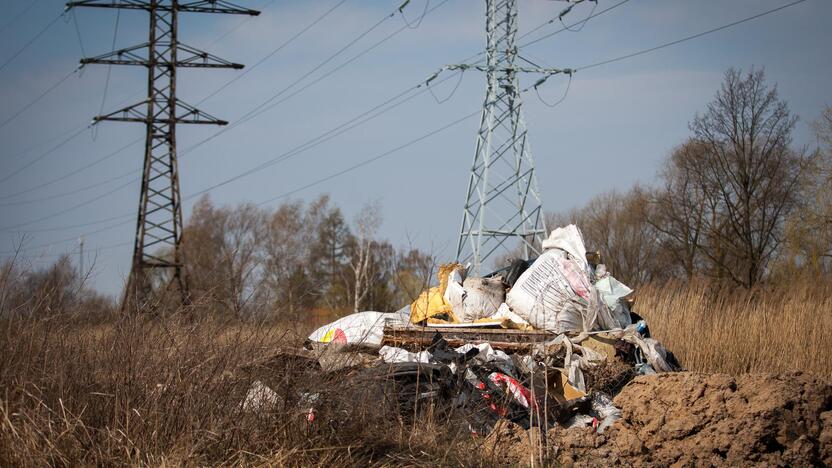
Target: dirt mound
[{"x": 690, "y": 419}]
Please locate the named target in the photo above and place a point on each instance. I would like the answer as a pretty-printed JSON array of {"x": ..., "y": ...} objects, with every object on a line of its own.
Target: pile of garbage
[{"x": 542, "y": 343}]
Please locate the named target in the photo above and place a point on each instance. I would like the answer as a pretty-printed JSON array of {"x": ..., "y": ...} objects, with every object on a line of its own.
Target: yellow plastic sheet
[{"x": 431, "y": 304}]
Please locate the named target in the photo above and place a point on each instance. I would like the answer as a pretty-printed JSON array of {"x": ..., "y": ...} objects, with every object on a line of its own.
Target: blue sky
[{"x": 616, "y": 125}]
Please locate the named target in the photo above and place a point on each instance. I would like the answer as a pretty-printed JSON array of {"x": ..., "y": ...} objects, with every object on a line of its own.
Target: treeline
[
  {"x": 736, "y": 202},
  {"x": 297, "y": 259}
]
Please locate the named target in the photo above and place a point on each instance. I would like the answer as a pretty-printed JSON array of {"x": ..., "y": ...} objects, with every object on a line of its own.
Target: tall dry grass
[
  {"x": 169, "y": 391},
  {"x": 772, "y": 329}
]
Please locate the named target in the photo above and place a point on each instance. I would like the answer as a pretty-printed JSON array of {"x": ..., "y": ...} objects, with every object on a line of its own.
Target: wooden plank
[{"x": 505, "y": 339}]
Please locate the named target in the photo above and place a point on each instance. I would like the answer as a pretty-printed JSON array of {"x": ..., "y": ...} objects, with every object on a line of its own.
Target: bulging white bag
[
  {"x": 555, "y": 294},
  {"x": 482, "y": 298}
]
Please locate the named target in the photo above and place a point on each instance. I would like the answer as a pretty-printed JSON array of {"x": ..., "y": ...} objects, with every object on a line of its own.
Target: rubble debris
[{"x": 543, "y": 343}]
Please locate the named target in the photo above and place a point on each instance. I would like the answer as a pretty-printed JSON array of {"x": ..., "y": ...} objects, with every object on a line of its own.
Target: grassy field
[
  {"x": 764, "y": 330},
  {"x": 167, "y": 391}
]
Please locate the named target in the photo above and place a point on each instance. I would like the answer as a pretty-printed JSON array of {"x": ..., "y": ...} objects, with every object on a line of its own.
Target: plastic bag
[
  {"x": 482, "y": 298},
  {"x": 362, "y": 328},
  {"x": 555, "y": 294},
  {"x": 259, "y": 397},
  {"x": 392, "y": 355},
  {"x": 570, "y": 240}
]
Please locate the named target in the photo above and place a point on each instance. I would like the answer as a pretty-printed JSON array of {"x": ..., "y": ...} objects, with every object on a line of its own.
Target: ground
[{"x": 697, "y": 419}]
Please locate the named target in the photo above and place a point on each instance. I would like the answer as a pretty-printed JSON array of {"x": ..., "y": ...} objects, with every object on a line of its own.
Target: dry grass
[
  {"x": 764, "y": 330},
  {"x": 168, "y": 391}
]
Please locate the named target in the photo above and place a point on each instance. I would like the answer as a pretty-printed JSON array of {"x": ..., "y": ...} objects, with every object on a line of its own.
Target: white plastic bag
[
  {"x": 392, "y": 354},
  {"x": 555, "y": 294},
  {"x": 365, "y": 328},
  {"x": 570, "y": 240},
  {"x": 482, "y": 298},
  {"x": 504, "y": 312},
  {"x": 259, "y": 397},
  {"x": 455, "y": 293}
]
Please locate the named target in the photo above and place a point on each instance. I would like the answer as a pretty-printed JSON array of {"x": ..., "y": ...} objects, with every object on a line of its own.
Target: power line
[
  {"x": 78, "y": 34},
  {"x": 109, "y": 67},
  {"x": 313, "y": 141},
  {"x": 373, "y": 159},
  {"x": 456, "y": 122},
  {"x": 688, "y": 38},
  {"x": 268, "y": 104},
  {"x": 314, "y": 183},
  {"x": 215, "y": 92},
  {"x": 240, "y": 24},
  {"x": 43, "y": 155},
  {"x": 37, "y": 99},
  {"x": 31, "y": 41},
  {"x": 65, "y": 210},
  {"x": 67, "y": 194},
  {"x": 326, "y": 136},
  {"x": 274, "y": 51},
  {"x": 16, "y": 17},
  {"x": 76, "y": 171},
  {"x": 566, "y": 28},
  {"x": 317, "y": 67}
]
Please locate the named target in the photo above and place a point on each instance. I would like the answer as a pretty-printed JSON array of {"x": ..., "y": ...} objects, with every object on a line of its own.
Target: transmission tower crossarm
[
  {"x": 187, "y": 57},
  {"x": 186, "y": 114},
  {"x": 202, "y": 6},
  {"x": 508, "y": 69}
]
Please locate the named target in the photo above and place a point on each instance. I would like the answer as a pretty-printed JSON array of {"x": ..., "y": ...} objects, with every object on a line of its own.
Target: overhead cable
[
  {"x": 31, "y": 41},
  {"x": 688, "y": 38}
]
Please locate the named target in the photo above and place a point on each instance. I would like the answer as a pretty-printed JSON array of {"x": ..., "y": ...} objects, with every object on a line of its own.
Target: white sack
[
  {"x": 555, "y": 294},
  {"x": 362, "y": 328},
  {"x": 455, "y": 293},
  {"x": 570, "y": 240},
  {"x": 486, "y": 353},
  {"x": 612, "y": 290},
  {"x": 482, "y": 298}
]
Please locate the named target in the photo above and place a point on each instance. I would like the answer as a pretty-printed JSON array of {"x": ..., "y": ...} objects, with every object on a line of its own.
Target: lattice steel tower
[
  {"x": 503, "y": 201},
  {"x": 159, "y": 223}
]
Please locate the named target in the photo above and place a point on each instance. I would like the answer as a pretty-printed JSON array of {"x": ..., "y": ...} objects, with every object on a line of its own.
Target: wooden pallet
[{"x": 414, "y": 338}]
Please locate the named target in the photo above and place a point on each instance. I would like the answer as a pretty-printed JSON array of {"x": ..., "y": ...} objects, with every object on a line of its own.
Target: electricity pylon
[
  {"x": 503, "y": 200},
  {"x": 159, "y": 223}
]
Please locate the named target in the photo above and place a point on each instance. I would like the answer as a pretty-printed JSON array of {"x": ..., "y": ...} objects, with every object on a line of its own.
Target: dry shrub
[{"x": 766, "y": 329}]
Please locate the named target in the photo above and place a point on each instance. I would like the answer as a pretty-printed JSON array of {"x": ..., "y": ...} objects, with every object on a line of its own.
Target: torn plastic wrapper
[
  {"x": 570, "y": 240},
  {"x": 259, "y": 397},
  {"x": 431, "y": 304}
]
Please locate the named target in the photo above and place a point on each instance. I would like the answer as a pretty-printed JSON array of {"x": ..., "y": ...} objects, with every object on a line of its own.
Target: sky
[{"x": 60, "y": 181}]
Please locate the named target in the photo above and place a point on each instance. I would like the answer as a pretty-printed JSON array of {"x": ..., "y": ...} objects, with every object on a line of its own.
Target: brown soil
[{"x": 692, "y": 419}]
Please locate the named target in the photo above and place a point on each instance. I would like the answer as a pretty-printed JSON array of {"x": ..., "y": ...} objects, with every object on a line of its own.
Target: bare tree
[
  {"x": 677, "y": 210},
  {"x": 808, "y": 248},
  {"x": 223, "y": 249},
  {"x": 366, "y": 223},
  {"x": 748, "y": 174}
]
